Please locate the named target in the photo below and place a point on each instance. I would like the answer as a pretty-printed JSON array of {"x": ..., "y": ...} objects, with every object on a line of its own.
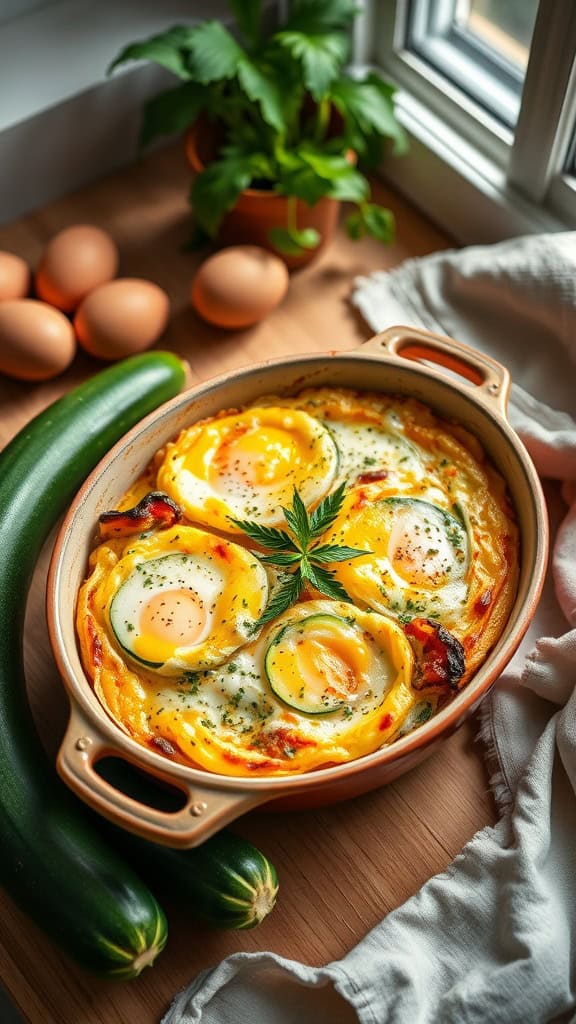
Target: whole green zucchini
[
  {"x": 226, "y": 881},
  {"x": 52, "y": 861}
]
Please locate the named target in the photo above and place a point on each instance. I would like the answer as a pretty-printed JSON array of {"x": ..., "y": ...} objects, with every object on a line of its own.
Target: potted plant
[{"x": 275, "y": 124}]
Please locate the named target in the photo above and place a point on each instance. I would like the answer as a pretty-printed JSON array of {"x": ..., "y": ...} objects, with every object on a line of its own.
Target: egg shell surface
[
  {"x": 121, "y": 318},
  {"x": 14, "y": 277},
  {"x": 36, "y": 341},
  {"x": 75, "y": 261},
  {"x": 239, "y": 286}
]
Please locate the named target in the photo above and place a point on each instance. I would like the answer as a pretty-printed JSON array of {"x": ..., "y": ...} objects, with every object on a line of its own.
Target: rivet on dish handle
[
  {"x": 490, "y": 378},
  {"x": 206, "y": 810}
]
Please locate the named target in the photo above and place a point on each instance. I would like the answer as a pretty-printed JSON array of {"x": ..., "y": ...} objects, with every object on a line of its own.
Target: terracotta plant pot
[{"x": 258, "y": 210}]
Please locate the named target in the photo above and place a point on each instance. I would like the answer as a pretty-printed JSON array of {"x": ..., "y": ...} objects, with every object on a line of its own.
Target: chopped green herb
[{"x": 299, "y": 551}]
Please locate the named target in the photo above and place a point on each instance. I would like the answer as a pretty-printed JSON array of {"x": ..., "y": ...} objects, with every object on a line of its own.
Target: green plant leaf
[
  {"x": 311, "y": 16},
  {"x": 172, "y": 111},
  {"x": 335, "y": 553},
  {"x": 303, "y": 182},
  {"x": 287, "y": 594},
  {"x": 248, "y": 16},
  {"x": 350, "y": 186},
  {"x": 304, "y": 527},
  {"x": 346, "y": 182},
  {"x": 245, "y": 133},
  {"x": 325, "y": 582},
  {"x": 371, "y": 219},
  {"x": 283, "y": 242},
  {"x": 214, "y": 53},
  {"x": 267, "y": 536},
  {"x": 297, "y": 519},
  {"x": 282, "y": 558},
  {"x": 308, "y": 238},
  {"x": 325, "y": 513},
  {"x": 355, "y": 226},
  {"x": 216, "y": 189},
  {"x": 262, "y": 89},
  {"x": 368, "y": 146},
  {"x": 322, "y": 57},
  {"x": 168, "y": 49},
  {"x": 311, "y": 172},
  {"x": 292, "y": 242},
  {"x": 379, "y": 222},
  {"x": 325, "y": 164},
  {"x": 368, "y": 106}
]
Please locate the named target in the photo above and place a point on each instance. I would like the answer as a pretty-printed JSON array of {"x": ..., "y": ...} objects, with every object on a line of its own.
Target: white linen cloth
[{"x": 492, "y": 939}]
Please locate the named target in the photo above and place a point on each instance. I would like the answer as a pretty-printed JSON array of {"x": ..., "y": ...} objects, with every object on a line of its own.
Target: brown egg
[
  {"x": 14, "y": 277},
  {"x": 77, "y": 260},
  {"x": 36, "y": 341},
  {"x": 121, "y": 318},
  {"x": 238, "y": 286}
]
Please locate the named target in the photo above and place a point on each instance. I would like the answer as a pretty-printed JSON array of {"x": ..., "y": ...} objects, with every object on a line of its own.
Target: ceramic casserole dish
[{"x": 459, "y": 384}]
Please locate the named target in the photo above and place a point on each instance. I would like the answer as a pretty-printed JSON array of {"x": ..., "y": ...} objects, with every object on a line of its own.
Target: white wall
[{"x": 63, "y": 122}]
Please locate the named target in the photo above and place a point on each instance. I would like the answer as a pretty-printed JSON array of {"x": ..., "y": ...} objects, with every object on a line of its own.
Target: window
[
  {"x": 487, "y": 93},
  {"x": 480, "y": 45}
]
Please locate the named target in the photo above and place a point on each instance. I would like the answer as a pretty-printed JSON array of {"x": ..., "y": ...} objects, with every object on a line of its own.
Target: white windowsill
[
  {"x": 458, "y": 186},
  {"x": 458, "y": 176}
]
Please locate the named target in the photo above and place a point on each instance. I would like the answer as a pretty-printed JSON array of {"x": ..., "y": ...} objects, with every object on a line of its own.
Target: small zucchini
[
  {"x": 226, "y": 881},
  {"x": 53, "y": 862}
]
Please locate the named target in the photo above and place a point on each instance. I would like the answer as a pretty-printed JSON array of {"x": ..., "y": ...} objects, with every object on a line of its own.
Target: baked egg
[
  {"x": 417, "y": 558},
  {"x": 175, "y": 600},
  {"x": 246, "y": 465}
]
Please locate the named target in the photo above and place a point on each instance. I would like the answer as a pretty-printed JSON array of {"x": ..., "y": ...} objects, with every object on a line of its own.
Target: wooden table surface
[{"x": 341, "y": 868}]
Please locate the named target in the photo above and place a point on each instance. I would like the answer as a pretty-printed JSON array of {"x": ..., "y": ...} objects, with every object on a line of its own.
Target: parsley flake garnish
[{"x": 299, "y": 550}]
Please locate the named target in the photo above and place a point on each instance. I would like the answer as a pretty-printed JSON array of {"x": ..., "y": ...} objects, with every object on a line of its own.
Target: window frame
[
  {"x": 432, "y": 34},
  {"x": 466, "y": 168}
]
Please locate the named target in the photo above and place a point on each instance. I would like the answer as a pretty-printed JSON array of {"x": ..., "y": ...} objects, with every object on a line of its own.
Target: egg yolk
[
  {"x": 333, "y": 665},
  {"x": 261, "y": 457},
  {"x": 246, "y": 466},
  {"x": 319, "y": 665},
  {"x": 170, "y": 619}
]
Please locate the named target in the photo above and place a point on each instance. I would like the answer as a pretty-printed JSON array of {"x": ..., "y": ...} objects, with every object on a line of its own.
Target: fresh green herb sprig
[{"x": 300, "y": 553}]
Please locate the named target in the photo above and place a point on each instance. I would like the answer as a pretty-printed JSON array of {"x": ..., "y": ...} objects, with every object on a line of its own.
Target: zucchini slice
[
  {"x": 316, "y": 664},
  {"x": 162, "y": 630}
]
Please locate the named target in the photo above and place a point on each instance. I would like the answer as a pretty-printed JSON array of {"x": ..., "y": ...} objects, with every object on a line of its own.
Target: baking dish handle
[
  {"x": 491, "y": 379},
  {"x": 205, "y": 810}
]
